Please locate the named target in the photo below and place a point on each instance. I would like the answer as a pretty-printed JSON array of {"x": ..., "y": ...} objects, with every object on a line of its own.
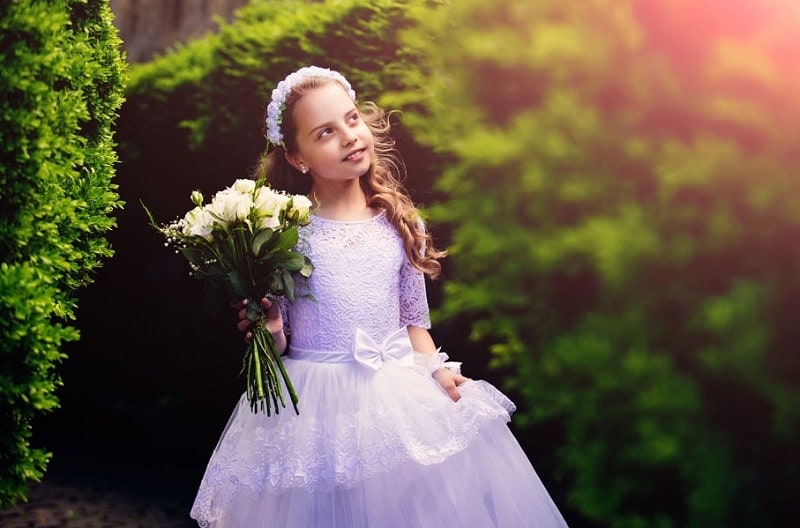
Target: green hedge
[{"x": 60, "y": 88}]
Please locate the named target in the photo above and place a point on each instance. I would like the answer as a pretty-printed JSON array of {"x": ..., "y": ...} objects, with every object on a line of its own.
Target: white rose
[
  {"x": 229, "y": 206},
  {"x": 198, "y": 222},
  {"x": 268, "y": 222},
  {"x": 301, "y": 208},
  {"x": 265, "y": 202},
  {"x": 239, "y": 207},
  {"x": 283, "y": 201},
  {"x": 244, "y": 186},
  {"x": 217, "y": 207}
]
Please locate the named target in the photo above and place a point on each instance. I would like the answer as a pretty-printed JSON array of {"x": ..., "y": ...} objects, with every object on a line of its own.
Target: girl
[{"x": 387, "y": 437}]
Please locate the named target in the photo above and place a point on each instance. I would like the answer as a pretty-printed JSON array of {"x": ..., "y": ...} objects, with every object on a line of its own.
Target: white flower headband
[{"x": 278, "y": 103}]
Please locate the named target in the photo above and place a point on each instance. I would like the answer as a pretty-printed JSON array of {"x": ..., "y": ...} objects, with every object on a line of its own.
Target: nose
[{"x": 348, "y": 138}]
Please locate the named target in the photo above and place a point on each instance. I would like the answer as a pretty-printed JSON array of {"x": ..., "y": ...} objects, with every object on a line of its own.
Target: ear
[{"x": 294, "y": 160}]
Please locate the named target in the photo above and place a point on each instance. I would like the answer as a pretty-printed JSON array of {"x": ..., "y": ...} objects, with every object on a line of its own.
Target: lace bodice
[{"x": 361, "y": 279}]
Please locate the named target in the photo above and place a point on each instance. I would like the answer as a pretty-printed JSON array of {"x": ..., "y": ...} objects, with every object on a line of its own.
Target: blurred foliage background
[
  {"x": 625, "y": 202},
  {"x": 618, "y": 183}
]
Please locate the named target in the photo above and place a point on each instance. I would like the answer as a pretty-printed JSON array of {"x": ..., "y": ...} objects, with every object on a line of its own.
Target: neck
[{"x": 340, "y": 200}]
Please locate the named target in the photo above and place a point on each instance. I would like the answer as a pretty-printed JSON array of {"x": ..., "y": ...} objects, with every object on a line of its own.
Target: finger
[
  {"x": 273, "y": 310},
  {"x": 242, "y": 314},
  {"x": 266, "y": 303},
  {"x": 454, "y": 393},
  {"x": 460, "y": 380},
  {"x": 243, "y": 325},
  {"x": 248, "y": 337}
]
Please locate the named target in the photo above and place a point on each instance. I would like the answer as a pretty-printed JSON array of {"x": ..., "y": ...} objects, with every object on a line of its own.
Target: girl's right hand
[{"x": 273, "y": 320}]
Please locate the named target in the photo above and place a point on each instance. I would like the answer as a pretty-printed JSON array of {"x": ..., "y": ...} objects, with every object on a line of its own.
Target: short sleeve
[{"x": 414, "y": 309}]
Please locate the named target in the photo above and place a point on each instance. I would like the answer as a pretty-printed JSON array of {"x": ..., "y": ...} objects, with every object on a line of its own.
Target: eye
[
  {"x": 354, "y": 117},
  {"x": 324, "y": 132}
]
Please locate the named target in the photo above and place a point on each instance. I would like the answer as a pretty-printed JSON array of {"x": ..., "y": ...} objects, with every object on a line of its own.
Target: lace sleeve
[{"x": 413, "y": 297}]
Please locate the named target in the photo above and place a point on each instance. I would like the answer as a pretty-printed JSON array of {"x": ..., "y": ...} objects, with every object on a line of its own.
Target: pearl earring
[{"x": 303, "y": 169}]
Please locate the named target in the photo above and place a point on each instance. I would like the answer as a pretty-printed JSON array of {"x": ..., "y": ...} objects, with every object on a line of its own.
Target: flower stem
[
  {"x": 264, "y": 387},
  {"x": 292, "y": 392},
  {"x": 259, "y": 380}
]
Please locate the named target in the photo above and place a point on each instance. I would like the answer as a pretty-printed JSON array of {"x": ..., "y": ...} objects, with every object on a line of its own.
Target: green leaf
[
  {"x": 275, "y": 283},
  {"x": 307, "y": 268},
  {"x": 288, "y": 239},
  {"x": 261, "y": 238},
  {"x": 294, "y": 262},
  {"x": 150, "y": 218},
  {"x": 288, "y": 289},
  {"x": 193, "y": 255},
  {"x": 237, "y": 285}
]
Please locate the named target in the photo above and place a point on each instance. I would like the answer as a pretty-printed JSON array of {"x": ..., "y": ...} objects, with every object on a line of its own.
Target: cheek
[{"x": 369, "y": 140}]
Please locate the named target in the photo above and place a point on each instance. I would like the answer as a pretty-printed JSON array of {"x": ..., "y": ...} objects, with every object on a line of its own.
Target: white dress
[{"x": 377, "y": 443}]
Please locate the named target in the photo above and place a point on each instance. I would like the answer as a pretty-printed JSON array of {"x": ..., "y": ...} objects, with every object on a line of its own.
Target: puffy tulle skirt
[{"x": 373, "y": 449}]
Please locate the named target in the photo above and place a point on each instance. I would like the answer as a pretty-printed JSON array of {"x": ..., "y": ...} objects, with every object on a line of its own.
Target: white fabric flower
[{"x": 278, "y": 100}]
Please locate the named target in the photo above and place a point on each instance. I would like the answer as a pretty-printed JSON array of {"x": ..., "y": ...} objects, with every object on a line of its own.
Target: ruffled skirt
[{"x": 373, "y": 449}]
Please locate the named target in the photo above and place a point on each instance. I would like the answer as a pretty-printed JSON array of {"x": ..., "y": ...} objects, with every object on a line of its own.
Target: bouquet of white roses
[{"x": 245, "y": 241}]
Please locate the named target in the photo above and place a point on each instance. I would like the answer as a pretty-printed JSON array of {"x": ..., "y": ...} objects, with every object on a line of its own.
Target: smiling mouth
[{"x": 353, "y": 155}]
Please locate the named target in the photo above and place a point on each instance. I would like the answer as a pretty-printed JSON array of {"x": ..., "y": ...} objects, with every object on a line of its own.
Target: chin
[{"x": 369, "y": 170}]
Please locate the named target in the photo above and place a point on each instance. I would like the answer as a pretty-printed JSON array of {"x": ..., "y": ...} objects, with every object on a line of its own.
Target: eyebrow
[{"x": 328, "y": 123}]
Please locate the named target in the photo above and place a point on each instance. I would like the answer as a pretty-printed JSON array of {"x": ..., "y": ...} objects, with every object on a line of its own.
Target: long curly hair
[{"x": 382, "y": 183}]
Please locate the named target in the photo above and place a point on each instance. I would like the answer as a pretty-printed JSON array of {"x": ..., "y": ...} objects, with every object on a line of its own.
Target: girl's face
[{"x": 332, "y": 139}]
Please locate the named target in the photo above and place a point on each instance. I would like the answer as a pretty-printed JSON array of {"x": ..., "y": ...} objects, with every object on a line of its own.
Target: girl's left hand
[{"x": 450, "y": 381}]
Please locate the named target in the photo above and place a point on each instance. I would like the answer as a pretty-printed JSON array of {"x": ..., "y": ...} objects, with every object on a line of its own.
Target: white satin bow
[{"x": 395, "y": 348}]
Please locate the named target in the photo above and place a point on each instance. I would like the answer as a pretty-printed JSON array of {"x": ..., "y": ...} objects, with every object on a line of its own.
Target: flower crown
[{"x": 278, "y": 103}]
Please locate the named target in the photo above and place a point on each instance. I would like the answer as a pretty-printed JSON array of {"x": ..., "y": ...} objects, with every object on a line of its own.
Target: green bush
[
  {"x": 626, "y": 206},
  {"x": 60, "y": 88}
]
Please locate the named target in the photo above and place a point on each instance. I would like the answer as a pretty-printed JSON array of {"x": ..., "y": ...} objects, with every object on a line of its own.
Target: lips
[{"x": 355, "y": 155}]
